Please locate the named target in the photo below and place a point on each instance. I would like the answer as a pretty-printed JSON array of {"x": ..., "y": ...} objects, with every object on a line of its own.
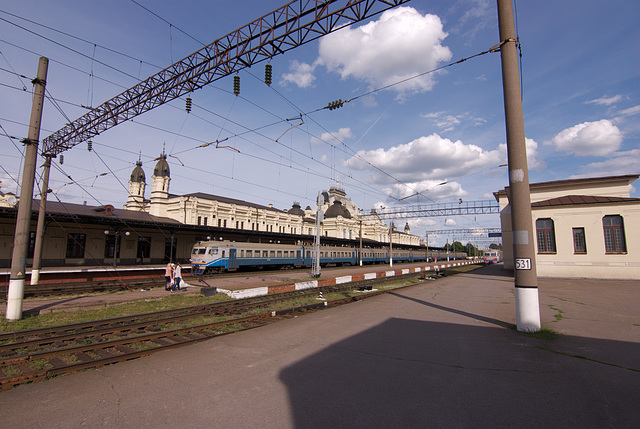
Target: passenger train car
[{"x": 221, "y": 256}]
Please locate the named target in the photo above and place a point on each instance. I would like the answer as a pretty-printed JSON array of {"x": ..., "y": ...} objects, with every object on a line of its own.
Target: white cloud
[
  {"x": 401, "y": 44},
  {"x": 606, "y": 101},
  {"x": 448, "y": 122},
  {"x": 627, "y": 162},
  {"x": 533, "y": 163},
  {"x": 301, "y": 74},
  {"x": 432, "y": 158},
  {"x": 631, "y": 111},
  {"x": 427, "y": 189},
  {"x": 589, "y": 139},
  {"x": 333, "y": 137}
]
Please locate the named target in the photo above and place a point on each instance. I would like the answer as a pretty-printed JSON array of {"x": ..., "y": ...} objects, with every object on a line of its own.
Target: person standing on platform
[
  {"x": 168, "y": 275},
  {"x": 177, "y": 275}
]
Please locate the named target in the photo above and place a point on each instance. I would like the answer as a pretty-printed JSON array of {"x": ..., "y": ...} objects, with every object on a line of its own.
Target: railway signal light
[
  {"x": 236, "y": 85},
  {"x": 188, "y": 105},
  {"x": 267, "y": 74}
]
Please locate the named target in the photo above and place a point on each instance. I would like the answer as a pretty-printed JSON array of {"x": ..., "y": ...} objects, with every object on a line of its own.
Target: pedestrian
[
  {"x": 177, "y": 275},
  {"x": 168, "y": 274}
]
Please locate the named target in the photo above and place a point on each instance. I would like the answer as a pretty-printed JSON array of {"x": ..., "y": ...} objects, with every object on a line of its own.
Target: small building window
[
  {"x": 579, "y": 242},
  {"x": 199, "y": 220},
  {"x": 546, "y": 236},
  {"x": 75, "y": 245},
  {"x": 205, "y": 221},
  {"x": 614, "y": 241}
]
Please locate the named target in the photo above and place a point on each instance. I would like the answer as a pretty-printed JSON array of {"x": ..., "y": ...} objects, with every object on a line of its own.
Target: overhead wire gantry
[{"x": 286, "y": 28}]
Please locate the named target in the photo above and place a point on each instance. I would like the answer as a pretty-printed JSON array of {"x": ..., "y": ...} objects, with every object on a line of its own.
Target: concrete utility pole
[
  {"x": 23, "y": 221},
  {"x": 42, "y": 213},
  {"x": 526, "y": 278}
]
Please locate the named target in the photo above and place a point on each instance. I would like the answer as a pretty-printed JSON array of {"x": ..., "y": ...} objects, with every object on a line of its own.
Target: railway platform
[
  {"x": 441, "y": 354},
  {"x": 238, "y": 286}
]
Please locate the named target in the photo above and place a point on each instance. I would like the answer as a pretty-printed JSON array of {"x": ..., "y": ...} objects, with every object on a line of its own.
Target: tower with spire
[
  {"x": 160, "y": 186},
  {"x": 137, "y": 185}
]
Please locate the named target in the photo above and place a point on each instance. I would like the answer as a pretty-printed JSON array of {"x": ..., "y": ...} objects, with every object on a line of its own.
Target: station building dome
[{"x": 162, "y": 167}]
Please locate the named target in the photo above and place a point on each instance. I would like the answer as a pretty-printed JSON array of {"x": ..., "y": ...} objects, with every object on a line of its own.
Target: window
[
  {"x": 75, "y": 245},
  {"x": 546, "y": 236},
  {"x": 579, "y": 242},
  {"x": 205, "y": 221},
  {"x": 614, "y": 241},
  {"x": 199, "y": 220},
  {"x": 110, "y": 246},
  {"x": 249, "y": 253}
]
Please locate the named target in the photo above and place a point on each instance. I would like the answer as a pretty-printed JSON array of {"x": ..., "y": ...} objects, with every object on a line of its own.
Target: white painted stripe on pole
[
  {"x": 527, "y": 309},
  {"x": 343, "y": 279},
  {"x": 516, "y": 175},
  {"x": 390, "y": 273},
  {"x": 369, "y": 276},
  {"x": 521, "y": 237},
  {"x": 306, "y": 285}
]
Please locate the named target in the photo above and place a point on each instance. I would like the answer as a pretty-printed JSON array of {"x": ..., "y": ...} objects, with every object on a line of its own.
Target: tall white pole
[
  {"x": 526, "y": 278},
  {"x": 23, "y": 222}
]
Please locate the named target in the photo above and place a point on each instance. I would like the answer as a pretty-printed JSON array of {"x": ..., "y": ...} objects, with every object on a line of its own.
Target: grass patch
[
  {"x": 546, "y": 334},
  {"x": 125, "y": 309}
]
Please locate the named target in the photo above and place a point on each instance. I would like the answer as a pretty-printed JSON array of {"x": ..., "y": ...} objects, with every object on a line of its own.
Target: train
[{"x": 208, "y": 257}]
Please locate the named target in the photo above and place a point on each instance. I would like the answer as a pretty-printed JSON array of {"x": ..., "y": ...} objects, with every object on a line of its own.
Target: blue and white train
[{"x": 220, "y": 256}]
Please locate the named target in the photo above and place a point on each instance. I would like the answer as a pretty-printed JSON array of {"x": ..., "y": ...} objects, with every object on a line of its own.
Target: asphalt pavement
[{"x": 442, "y": 354}]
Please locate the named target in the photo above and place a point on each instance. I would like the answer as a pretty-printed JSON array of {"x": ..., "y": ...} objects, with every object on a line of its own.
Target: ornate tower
[
  {"x": 160, "y": 187},
  {"x": 137, "y": 185}
]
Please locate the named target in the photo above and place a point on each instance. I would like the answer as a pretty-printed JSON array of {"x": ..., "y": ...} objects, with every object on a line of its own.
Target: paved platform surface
[{"x": 436, "y": 355}]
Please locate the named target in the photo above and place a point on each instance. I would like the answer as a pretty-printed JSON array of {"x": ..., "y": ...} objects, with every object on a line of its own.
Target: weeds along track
[{"x": 37, "y": 354}]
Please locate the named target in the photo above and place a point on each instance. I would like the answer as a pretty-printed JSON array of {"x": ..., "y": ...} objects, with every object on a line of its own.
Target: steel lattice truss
[
  {"x": 288, "y": 27},
  {"x": 447, "y": 209}
]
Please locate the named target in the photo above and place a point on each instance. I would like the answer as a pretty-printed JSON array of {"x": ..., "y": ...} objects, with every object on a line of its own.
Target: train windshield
[{"x": 199, "y": 250}]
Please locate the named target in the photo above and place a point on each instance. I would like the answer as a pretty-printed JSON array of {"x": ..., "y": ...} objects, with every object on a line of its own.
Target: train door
[
  {"x": 307, "y": 260},
  {"x": 233, "y": 262},
  {"x": 298, "y": 258}
]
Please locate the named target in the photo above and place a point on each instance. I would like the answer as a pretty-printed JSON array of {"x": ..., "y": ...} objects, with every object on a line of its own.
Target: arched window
[
  {"x": 546, "y": 236},
  {"x": 614, "y": 241}
]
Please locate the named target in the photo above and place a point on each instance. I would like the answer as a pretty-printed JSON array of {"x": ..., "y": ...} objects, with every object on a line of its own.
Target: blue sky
[{"x": 580, "y": 74}]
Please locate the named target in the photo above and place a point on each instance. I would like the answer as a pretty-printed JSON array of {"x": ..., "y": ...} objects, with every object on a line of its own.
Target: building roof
[
  {"x": 92, "y": 214},
  {"x": 337, "y": 209},
  {"x": 567, "y": 182},
  {"x": 227, "y": 200},
  {"x": 575, "y": 200}
]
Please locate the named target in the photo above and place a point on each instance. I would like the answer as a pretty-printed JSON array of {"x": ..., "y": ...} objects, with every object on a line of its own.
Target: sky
[{"x": 409, "y": 135}]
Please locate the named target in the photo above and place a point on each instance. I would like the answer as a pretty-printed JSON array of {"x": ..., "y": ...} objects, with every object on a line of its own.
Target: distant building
[
  {"x": 584, "y": 228},
  {"x": 342, "y": 217}
]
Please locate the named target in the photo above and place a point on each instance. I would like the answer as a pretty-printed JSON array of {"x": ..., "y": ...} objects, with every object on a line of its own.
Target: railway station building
[
  {"x": 584, "y": 228},
  {"x": 342, "y": 218}
]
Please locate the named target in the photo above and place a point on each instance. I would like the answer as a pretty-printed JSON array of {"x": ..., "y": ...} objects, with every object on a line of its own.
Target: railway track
[{"x": 38, "y": 354}]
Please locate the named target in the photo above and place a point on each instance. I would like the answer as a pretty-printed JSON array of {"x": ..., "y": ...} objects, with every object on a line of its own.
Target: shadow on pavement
[{"x": 416, "y": 374}]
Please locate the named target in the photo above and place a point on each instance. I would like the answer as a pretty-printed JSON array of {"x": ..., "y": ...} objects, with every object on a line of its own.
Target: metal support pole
[
  {"x": 23, "y": 221},
  {"x": 391, "y": 245},
  {"x": 42, "y": 213},
  {"x": 526, "y": 279},
  {"x": 360, "y": 253},
  {"x": 115, "y": 247}
]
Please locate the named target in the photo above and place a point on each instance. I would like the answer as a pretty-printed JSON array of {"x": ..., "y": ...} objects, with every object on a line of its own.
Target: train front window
[{"x": 199, "y": 251}]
